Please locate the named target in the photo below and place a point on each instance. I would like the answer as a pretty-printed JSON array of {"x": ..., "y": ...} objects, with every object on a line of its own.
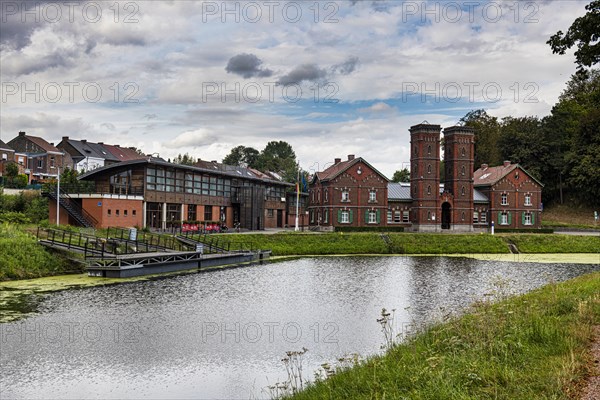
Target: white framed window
[
  {"x": 52, "y": 162},
  {"x": 345, "y": 217},
  {"x": 4, "y": 156},
  {"x": 504, "y": 200},
  {"x": 527, "y": 219},
  {"x": 345, "y": 195},
  {"x": 326, "y": 195},
  {"x": 326, "y": 217},
  {"x": 405, "y": 216},
  {"x": 475, "y": 217},
  {"x": 313, "y": 195},
  {"x": 319, "y": 196},
  {"x": 389, "y": 217},
  {"x": 527, "y": 199},
  {"x": 397, "y": 216},
  {"x": 312, "y": 216},
  {"x": 40, "y": 163},
  {"x": 372, "y": 196},
  {"x": 372, "y": 217},
  {"x": 21, "y": 160},
  {"x": 504, "y": 218},
  {"x": 483, "y": 216}
]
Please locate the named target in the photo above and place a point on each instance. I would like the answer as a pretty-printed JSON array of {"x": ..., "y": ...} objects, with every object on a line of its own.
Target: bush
[
  {"x": 513, "y": 230},
  {"x": 369, "y": 229},
  {"x": 14, "y": 217}
]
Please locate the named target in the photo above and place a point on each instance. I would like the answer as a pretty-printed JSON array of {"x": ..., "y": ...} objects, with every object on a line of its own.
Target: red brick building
[
  {"x": 515, "y": 197},
  {"x": 349, "y": 193},
  {"x": 42, "y": 158},
  {"x": 354, "y": 193}
]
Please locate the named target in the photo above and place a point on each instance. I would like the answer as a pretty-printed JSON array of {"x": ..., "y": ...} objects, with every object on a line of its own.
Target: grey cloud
[
  {"x": 45, "y": 125},
  {"x": 150, "y": 116},
  {"x": 304, "y": 72},
  {"x": 347, "y": 67},
  {"x": 248, "y": 66},
  {"x": 109, "y": 126}
]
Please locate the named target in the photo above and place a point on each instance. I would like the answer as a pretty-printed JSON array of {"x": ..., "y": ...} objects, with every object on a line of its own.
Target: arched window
[
  {"x": 429, "y": 168},
  {"x": 463, "y": 152},
  {"x": 462, "y": 170},
  {"x": 428, "y": 215},
  {"x": 462, "y": 191},
  {"x": 463, "y": 216},
  {"x": 429, "y": 149},
  {"x": 428, "y": 189}
]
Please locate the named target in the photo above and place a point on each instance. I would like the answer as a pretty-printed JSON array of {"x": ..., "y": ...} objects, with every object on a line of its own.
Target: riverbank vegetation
[
  {"x": 533, "y": 346},
  {"x": 23, "y": 258}
]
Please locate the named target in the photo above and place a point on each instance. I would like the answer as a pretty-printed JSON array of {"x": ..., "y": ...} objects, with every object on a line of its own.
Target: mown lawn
[{"x": 531, "y": 243}]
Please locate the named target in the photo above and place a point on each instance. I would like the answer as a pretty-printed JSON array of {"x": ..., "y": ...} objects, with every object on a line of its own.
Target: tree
[
  {"x": 279, "y": 157},
  {"x": 242, "y": 156},
  {"x": 12, "y": 170},
  {"x": 402, "y": 175},
  {"x": 69, "y": 177},
  {"x": 522, "y": 140},
  {"x": 185, "y": 159},
  {"x": 585, "y": 33},
  {"x": 487, "y": 132}
]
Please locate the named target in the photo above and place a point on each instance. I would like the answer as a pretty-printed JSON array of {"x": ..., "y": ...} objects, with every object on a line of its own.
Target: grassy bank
[
  {"x": 283, "y": 244},
  {"x": 569, "y": 216},
  {"x": 23, "y": 258},
  {"x": 529, "y": 347}
]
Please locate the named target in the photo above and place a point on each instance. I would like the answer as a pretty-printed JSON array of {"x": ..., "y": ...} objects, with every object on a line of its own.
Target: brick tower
[
  {"x": 457, "y": 199},
  {"x": 425, "y": 176}
]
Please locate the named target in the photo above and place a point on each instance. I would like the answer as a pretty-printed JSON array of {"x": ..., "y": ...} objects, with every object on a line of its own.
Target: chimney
[
  {"x": 84, "y": 141},
  {"x": 484, "y": 166},
  {"x": 117, "y": 145},
  {"x": 350, "y": 157},
  {"x": 52, "y": 144},
  {"x": 65, "y": 138},
  {"x": 101, "y": 143},
  {"x": 506, "y": 163},
  {"x": 337, "y": 161},
  {"x": 214, "y": 161},
  {"x": 21, "y": 133}
]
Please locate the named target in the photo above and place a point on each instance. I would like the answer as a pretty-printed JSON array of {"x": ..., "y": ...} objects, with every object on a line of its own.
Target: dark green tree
[
  {"x": 402, "y": 175},
  {"x": 487, "y": 133},
  {"x": 584, "y": 32},
  {"x": 184, "y": 159},
  {"x": 279, "y": 157},
  {"x": 522, "y": 140},
  {"x": 242, "y": 156}
]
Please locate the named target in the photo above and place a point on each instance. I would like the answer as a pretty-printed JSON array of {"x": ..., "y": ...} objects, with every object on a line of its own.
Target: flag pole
[{"x": 297, "y": 197}]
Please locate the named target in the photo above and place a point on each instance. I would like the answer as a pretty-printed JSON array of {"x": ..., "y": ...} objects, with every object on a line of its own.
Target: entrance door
[
  {"x": 446, "y": 216},
  {"x": 280, "y": 218}
]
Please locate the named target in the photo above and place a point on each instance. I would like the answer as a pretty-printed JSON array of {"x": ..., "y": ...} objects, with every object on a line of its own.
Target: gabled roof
[
  {"x": 90, "y": 149},
  {"x": 42, "y": 143},
  {"x": 336, "y": 169},
  {"x": 123, "y": 153},
  {"x": 5, "y": 147},
  {"x": 401, "y": 192},
  {"x": 490, "y": 175}
]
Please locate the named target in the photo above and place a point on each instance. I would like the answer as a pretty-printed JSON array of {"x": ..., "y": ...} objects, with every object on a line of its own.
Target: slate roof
[
  {"x": 90, "y": 149},
  {"x": 401, "y": 192}
]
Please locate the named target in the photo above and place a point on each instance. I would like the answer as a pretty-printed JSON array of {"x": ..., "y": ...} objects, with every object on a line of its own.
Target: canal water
[{"x": 223, "y": 334}]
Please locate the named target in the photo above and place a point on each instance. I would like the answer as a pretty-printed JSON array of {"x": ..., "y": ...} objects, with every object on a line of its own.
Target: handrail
[
  {"x": 87, "y": 187},
  {"x": 65, "y": 196}
]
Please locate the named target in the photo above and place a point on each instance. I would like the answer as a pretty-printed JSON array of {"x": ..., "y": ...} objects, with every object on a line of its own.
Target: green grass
[
  {"x": 427, "y": 243},
  {"x": 23, "y": 258},
  {"x": 285, "y": 244},
  {"x": 531, "y": 243},
  {"x": 529, "y": 347}
]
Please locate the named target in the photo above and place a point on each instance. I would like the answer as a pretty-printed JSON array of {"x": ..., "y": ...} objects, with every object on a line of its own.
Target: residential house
[{"x": 41, "y": 159}]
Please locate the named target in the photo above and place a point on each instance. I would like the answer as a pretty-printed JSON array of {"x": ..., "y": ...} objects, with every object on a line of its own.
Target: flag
[{"x": 304, "y": 184}]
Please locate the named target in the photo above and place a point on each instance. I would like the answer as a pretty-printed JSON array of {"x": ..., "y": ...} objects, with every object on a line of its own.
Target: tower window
[
  {"x": 463, "y": 152},
  {"x": 462, "y": 191},
  {"x": 428, "y": 189},
  {"x": 429, "y": 169},
  {"x": 429, "y": 149},
  {"x": 462, "y": 170}
]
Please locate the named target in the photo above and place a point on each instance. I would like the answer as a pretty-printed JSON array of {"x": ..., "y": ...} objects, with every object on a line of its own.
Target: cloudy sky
[{"x": 331, "y": 78}]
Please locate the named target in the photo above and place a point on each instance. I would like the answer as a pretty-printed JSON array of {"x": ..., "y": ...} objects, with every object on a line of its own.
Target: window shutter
[
  {"x": 378, "y": 216},
  {"x": 523, "y": 218},
  {"x": 532, "y": 218},
  {"x": 509, "y": 217},
  {"x": 499, "y": 221},
  {"x": 339, "y": 216},
  {"x": 366, "y": 216},
  {"x": 350, "y": 216}
]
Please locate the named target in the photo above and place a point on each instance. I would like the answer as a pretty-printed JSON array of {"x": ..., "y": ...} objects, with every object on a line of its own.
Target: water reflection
[{"x": 223, "y": 334}]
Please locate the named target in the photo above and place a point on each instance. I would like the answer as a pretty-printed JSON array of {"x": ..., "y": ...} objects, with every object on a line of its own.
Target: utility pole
[
  {"x": 297, "y": 197},
  {"x": 58, "y": 198}
]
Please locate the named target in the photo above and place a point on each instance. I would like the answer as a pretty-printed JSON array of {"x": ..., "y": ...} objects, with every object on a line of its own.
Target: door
[
  {"x": 280, "y": 218},
  {"x": 446, "y": 215}
]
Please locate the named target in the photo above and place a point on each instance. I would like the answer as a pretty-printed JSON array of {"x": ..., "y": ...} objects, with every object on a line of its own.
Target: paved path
[{"x": 580, "y": 233}]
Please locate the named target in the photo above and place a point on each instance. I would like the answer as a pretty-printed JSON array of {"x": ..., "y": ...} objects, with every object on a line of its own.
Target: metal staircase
[{"x": 81, "y": 216}]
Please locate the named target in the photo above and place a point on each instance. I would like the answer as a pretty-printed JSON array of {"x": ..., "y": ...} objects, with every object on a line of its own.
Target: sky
[{"x": 330, "y": 78}]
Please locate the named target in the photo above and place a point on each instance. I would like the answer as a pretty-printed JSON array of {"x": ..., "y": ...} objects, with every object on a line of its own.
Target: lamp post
[{"x": 58, "y": 198}]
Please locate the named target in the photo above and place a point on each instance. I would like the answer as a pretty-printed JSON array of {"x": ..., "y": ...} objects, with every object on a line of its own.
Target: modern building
[
  {"x": 154, "y": 193},
  {"x": 41, "y": 160},
  {"x": 353, "y": 193}
]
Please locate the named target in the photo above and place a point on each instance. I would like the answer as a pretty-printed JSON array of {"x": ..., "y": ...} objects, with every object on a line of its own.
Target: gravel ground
[{"x": 592, "y": 389}]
